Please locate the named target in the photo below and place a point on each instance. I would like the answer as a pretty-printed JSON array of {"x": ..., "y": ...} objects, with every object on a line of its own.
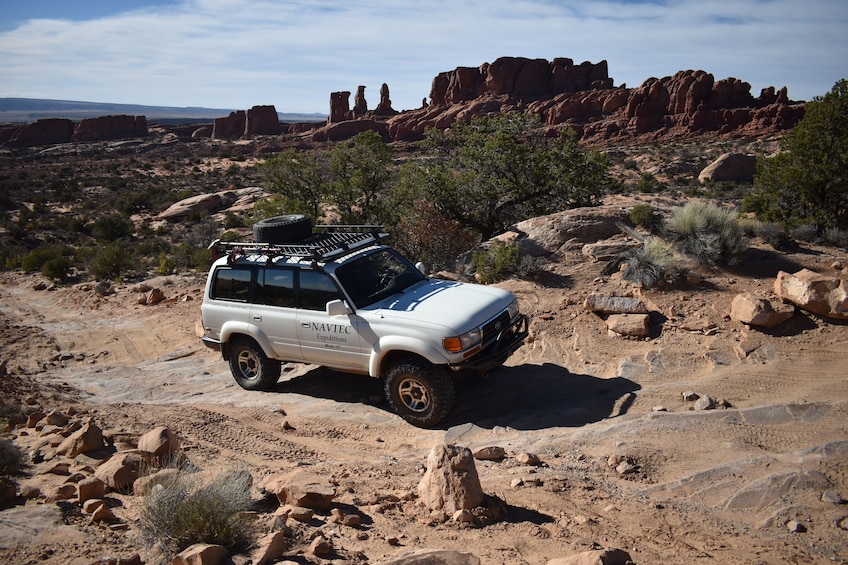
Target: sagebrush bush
[
  {"x": 654, "y": 263},
  {"x": 498, "y": 262},
  {"x": 12, "y": 460},
  {"x": 707, "y": 233},
  {"x": 180, "y": 512},
  {"x": 836, "y": 236},
  {"x": 111, "y": 261}
]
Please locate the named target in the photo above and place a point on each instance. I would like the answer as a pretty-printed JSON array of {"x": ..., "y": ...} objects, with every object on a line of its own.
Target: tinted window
[
  {"x": 316, "y": 289},
  {"x": 231, "y": 284},
  {"x": 275, "y": 287}
]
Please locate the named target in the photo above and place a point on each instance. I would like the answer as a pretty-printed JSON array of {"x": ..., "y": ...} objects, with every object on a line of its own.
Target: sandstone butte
[{"x": 582, "y": 97}]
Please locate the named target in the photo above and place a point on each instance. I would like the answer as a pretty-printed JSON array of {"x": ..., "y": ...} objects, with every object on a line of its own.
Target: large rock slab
[{"x": 820, "y": 294}]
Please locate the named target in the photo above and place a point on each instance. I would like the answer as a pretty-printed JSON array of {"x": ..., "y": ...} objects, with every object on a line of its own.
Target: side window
[
  {"x": 232, "y": 284},
  {"x": 275, "y": 287},
  {"x": 316, "y": 289}
]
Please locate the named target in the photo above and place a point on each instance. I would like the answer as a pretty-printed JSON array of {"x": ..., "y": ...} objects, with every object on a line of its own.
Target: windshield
[{"x": 374, "y": 277}]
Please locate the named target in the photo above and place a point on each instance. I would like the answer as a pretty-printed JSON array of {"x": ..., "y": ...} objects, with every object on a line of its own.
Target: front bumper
[{"x": 498, "y": 351}]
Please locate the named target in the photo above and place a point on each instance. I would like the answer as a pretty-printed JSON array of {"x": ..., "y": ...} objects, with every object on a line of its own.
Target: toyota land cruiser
[{"x": 337, "y": 296}]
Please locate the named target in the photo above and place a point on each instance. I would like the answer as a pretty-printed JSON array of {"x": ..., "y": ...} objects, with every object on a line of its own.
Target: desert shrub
[
  {"x": 497, "y": 262},
  {"x": 35, "y": 259},
  {"x": 804, "y": 232},
  {"x": 836, "y": 236},
  {"x": 12, "y": 460},
  {"x": 57, "y": 269},
  {"x": 770, "y": 232},
  {"x": 181, "y": 512},
  {"x": 531, "y": 268},
  {"x": 648, "y": 183},
  {"x": 653, "y": 263},
  {"x": 112, "y": 227},
  {"x": 167, "y": 265},
  {"x": 427, "y": 236},
  {"x": 111, "y": 261},
  {"x": 643, "y": 215},
  {"x": 709, "y": 234}
]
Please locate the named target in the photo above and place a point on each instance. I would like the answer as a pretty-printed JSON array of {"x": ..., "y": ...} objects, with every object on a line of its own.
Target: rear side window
[
  {"x": 275, "y": 287},
  {"x": 231, "y": 284},
  {"x": 316, "y": 289}
]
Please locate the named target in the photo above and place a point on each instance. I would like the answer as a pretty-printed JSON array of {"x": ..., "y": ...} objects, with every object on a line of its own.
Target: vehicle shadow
[{"x": 525, "y": 397}]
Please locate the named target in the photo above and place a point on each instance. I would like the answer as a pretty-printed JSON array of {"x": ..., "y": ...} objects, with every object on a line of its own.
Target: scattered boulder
[
  {"x": 604, "y": 304},
  {"x": 85, "y": 440},
  {"x": 431, "y": 557},
  {"x": 301, "y": 488},
  {"x": 159, "y": 445},
  {"x": 202, "y": 554},
  {"x": 630, "y": 325},
  {"x": 490, "y": 453},
  {"x": 269, "y": 548},
  {"x": 820, "y": 294},
  {"x": 594, "y": 557},
  {"x": 759, "y": 311},
  {"x": 91, "y": 488},
  {"x": 450, "y": 482},
  {"x": 730, "y": 167},
  {"x": 200, "y": 203},
  {"x": 120, "y": 471}
]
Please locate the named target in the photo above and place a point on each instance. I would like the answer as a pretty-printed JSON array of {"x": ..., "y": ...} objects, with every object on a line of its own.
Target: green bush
[
  {"x": 35, "y": 259},
  {"x": 181, "y": 512},
  {"x": 496, "y": 263},
  {"x": 57, "y": 268},
  {"x": 112, "y": 227},
  {"x": 111, "y": 261},
  {"x": 707, "y": 233},
  {"x": 643, "y": 215},
  {"x": 648, "y": 183}
]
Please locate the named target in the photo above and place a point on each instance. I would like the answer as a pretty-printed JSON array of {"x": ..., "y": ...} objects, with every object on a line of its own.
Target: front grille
[{"x": 496, "y": 325}]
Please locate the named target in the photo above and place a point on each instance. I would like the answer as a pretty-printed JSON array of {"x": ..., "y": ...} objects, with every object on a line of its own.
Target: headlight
[
  {"x": 463, "y": 342},
  {"x": 513, "y": 310}
]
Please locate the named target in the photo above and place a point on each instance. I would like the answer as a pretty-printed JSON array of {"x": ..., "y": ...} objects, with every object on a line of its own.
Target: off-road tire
[
  {"x": 283, "y": 229},
  {"x": 251, "y": 368},
  {"x": 419, "y": 392}
]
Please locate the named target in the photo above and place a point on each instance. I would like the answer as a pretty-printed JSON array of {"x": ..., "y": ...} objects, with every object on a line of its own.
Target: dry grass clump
[
  {"x": 654, "y": 263},
  {"x": 192, "y": 508},
  {"x": 707, "y": 233}
]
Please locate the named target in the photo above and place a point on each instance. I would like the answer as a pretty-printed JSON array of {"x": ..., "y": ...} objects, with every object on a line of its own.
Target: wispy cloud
[{"x": 237, "y": 53}]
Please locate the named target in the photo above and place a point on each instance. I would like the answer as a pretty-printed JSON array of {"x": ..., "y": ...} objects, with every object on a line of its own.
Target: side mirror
[
  {"x": 422, "y": 269},
  {"x": 337, "y": 308}
]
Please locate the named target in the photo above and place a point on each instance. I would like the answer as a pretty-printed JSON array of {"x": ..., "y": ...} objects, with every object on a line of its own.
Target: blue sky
[{"x": 292, "y": 54}]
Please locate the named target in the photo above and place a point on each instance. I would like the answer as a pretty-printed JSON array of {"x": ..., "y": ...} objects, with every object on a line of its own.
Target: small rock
[
  {"x": 704, "y": 403},
  {"x": 491, "y": 453},
  {"x": 690, "y": 396},
  {"x": 625, "y": 468},
  {"x": 528, "y": 459},
  {"x": 833, "y": 497},
  {"x": 796, "y": 526}
]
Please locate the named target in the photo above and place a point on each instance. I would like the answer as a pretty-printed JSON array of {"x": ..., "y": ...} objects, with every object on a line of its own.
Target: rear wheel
[
  {"x": 420, "y": 393},
  {"x": 252, "y": 369}
]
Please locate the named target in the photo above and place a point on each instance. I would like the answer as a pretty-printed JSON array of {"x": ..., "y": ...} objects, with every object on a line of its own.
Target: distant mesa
[{"x": 563, "y": 94}]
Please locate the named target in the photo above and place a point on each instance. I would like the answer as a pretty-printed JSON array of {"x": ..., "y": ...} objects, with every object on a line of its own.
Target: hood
[{"x": 459, "y": 306}]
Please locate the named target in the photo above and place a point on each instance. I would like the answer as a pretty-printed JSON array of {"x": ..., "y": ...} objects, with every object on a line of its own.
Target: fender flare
[
  {"x": 240, "y": 328},
  {"x": 391, "y": 344}
]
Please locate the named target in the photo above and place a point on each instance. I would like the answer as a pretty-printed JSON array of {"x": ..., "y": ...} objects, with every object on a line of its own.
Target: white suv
[{"x": 343, "y": 300}]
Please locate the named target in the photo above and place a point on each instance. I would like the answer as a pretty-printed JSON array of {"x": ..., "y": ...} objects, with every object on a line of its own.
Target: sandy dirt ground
[{"x": 716, "y": 486}]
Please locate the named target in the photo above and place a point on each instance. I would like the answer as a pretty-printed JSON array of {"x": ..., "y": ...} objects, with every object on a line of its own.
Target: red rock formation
[
  {"x": 360, "y": 105},
  {"x": 339, "y": 107},
  {"x": 583, "y": 97},
  {"x": 110, "y": 127},
  {"x": 42, "y": 132},
  {"x": 384, "y": 108},
  {"x": 230, "y": 127},
  {"x": 262, "y": 120}
]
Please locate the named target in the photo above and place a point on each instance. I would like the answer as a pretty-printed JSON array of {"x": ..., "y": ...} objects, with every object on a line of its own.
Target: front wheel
[
  {"x": 252, "y": 369},
  {"x": 420, "y": 393}
]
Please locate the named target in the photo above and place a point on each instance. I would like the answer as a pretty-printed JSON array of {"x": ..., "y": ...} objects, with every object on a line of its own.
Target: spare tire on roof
[{"x": 283, "y": 229}]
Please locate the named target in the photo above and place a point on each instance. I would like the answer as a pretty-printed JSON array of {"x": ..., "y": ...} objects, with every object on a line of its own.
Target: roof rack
[{"x": 328, "y": 244}]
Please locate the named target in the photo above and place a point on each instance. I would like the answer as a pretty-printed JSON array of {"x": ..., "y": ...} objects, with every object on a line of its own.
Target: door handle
[{"x": 257, "y": 318}]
